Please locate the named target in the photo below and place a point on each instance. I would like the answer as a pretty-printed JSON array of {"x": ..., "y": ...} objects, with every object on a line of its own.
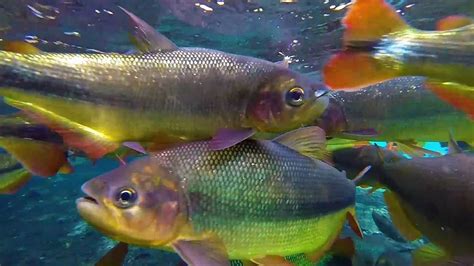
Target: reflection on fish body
[
  {"x": 398, "y": 110},
  {"x": 168, "y": 96},
  {"x": 256, "y": 200}
]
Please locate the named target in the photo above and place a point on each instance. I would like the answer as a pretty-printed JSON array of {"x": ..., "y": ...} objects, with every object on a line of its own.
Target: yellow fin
[
  {"x": 309, "y": 141},
  {"x": 429, "y": 254},
  {"x": 399, "y": 218},
  {"x": 411, "y": 148},
  {"x": 19, "y": 47},
  {"x": 40, "y": 158}
]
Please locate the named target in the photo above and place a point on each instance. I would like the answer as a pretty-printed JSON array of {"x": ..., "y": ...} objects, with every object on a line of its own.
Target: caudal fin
[
  {"x": 366, "y": 22},
  {"x": 369, "y": 20}
]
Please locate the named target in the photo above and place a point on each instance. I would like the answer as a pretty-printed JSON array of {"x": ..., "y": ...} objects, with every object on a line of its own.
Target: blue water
[{"x": 40, "y": 226}]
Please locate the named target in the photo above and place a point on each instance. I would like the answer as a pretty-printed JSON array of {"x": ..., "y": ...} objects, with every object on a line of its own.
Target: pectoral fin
[
  {"x": 399, "y": 217},
  {"x": 226, "y": 138},
  {"x": 309, "y": 141},
  {"x": 207, "y": 252}
]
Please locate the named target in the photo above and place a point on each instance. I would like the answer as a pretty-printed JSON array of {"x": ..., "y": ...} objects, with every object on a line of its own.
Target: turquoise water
[{"x": 40, "y": 224}]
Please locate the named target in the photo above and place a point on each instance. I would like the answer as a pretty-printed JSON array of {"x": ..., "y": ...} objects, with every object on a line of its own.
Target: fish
[
  {"x": 163, "y": 94},
  {"x": 40, "y": 150},
  {"x": 431, "y": 197},
  {"x": 385, "y": 225},
  {"x": 401, "y": 110},
  {"x": 259, "y": 200},
  {"x": 376, "y": 52}
]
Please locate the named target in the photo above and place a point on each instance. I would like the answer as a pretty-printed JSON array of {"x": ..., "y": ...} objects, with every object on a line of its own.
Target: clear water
[{"x": 40, "y": 224}]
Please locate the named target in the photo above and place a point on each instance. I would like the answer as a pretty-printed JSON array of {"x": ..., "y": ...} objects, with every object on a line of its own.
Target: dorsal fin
[
  {"x": 309, "y": 141},
  {"x": 146, "y": 38},
  {"x": 453, "y": 146}
]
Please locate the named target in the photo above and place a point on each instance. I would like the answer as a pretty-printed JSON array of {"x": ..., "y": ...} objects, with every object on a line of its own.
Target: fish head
[
  {"x": 285, "y": 101},
  {"x": 137, "y": 203}
]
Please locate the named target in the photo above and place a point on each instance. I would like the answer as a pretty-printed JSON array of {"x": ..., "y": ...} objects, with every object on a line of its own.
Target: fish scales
[
  {"x": 144, "y": 81},
  {"x": 285, "y": 200}
]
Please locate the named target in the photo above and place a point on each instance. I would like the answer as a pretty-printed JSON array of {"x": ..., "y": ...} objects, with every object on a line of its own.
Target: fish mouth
[{"x": 87, "y": 199}]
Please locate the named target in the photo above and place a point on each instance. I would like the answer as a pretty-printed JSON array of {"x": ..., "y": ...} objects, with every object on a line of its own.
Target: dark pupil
[
  {"x": 125, "y": 195},
  {"x": 295, "y": 95}
]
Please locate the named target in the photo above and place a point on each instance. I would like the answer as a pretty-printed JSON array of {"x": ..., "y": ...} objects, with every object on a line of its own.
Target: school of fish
[{"x": 229, "y": 157}]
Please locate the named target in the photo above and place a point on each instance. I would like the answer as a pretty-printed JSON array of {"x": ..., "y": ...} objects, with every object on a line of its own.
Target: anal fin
[
  {"x": 209, "y": 251},
  {"x": 93, "y": 143}
]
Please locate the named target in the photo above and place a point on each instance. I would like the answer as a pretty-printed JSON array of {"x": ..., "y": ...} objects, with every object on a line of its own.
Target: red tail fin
[
  {"x": 369, "y": 20},
  {"x": 460, "y": 96}
]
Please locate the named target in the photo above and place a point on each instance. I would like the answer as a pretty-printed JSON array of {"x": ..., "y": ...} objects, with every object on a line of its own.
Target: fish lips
[{"x": 88, "y": 204}]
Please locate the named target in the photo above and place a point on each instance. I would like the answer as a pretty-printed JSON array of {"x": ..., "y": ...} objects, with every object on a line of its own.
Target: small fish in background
[
  {"x": 391, "y": 48},
  {"x": 431, "y": 197},
  {"x": 162, "y": 95},
  {"x": 401, "y": 110},
  {"x": 257, "y": 201}
]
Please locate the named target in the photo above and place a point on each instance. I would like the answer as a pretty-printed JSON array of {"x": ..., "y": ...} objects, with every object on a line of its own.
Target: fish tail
[
  {"x": 18, "y": 47},
  {"x": 366, "y": 23}
]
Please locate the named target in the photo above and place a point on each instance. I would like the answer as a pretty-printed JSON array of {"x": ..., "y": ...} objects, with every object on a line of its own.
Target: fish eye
[
  {"x": 295, "y": 96},
  {"x": 126, "y": 197}
]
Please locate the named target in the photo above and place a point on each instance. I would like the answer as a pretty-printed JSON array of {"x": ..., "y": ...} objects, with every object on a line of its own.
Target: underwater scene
[{"x": 237, "y": 132}]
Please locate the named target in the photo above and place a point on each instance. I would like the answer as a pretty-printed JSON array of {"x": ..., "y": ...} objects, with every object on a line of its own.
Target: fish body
[
  {"x": 161, "y": 97},
  {"x": 402, "y": 109},
  {"x": 258, "y": 198},
  {"x": 429, "y": 197},
  {"x": 376, "y": 52},
  {"x": 437, "y": 196}
]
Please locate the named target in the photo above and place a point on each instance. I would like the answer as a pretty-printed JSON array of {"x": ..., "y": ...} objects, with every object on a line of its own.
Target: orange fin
[
  {"x": 115, "y": 256},
  {"x": 12, "y": 180},
  {"x": 272, "y": 260},
  {"x": 93, "y": 143},
  {"x": 369, "y": 20},
  {"x": 353, "y": 71},
  {"x": 399, "y": 217},
  {"x": 40, "y": 158},
  {"x": 19, "y": 47},
  {"x": 354, "y": 224},
  {"x": 458, "y": 95},
  {"x": 343, "y": 247},
  {"x": 453, "y": 22},
  {"x": 66, "y": 169}
]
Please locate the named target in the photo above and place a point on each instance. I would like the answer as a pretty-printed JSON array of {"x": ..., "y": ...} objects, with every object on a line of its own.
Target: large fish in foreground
[
  {"x": 258, "y": 200},
  {"x": 163, "y": 94},
  {"x": 431, "y": 197},
  {"x": 381, "y": 46}
]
